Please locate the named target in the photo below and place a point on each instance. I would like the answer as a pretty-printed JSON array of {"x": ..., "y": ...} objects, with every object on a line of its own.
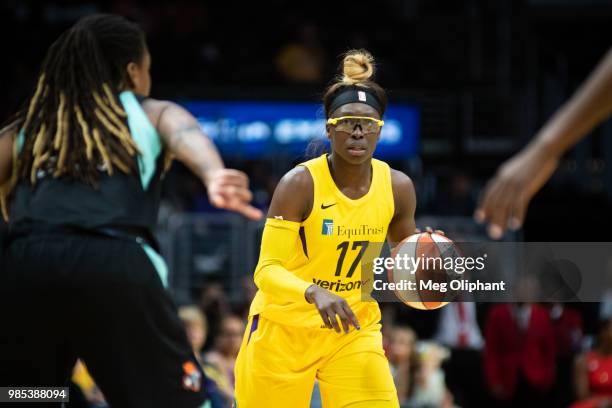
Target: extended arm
[
  {"x": 183, "y": 137},
  {"x": 589, "y": 106},
  {"x": 506, "y": 197},
  {"x": 281, "y": 233},
  {"x": 291, "y": 204}
]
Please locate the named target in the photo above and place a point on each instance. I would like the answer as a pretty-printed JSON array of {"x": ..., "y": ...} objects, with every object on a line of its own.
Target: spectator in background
[
  {"x": 593, "y": 372},
  {"x": 456, "y": 195},
  {"x": 519, "y": 357},
  {"x": 458, "y": 330},
  {"x": 567, "y": 326},
  {"x": 214, "y": 302},
  {"x": 219, "y": 389},
  {"x": 429, "y": 384},
  {"x": 225, "y": 350},
  {"x": 401, "y": 352},
  {"x": 304, "y": 60},
  {"x": 196, "y": 327}
]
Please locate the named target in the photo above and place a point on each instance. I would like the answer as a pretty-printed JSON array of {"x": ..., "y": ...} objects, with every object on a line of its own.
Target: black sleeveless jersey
[{"x": 128, "y": 201}]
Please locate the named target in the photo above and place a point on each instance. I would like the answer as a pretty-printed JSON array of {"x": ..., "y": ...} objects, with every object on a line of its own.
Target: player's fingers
[
  {"x": 343, "y": 317},
  {"x": 479, "y": 215},
  {"x": 490, "y": 207},
  {"x": 232, "y": 191},
  {"x": 217, "y": 200},
  {"x": 517, "y": 217},
  {"x": 232, "y": 174},
  {"x": 331, "y": 313},
  {"x": 486, "y": 201},
  {"x": 244, "y": 208},
  {"x": 221, "y": 179},
  {"x": 234, "y": 203},
  {"x": 351, "y": 316},
  {"x": 227, "y": 190},
  {"x": 244, "y": 194},
  {"x": 325, "y": 318},
  {"x": 429, "y": 229},
  {"x": 239, "y": 183},
  {"x": 498, "y": 219},
  {"x": 497, "y": 227},
  {"x": 440, "y": 232},
  {"x": 249, "y": 211},
  {"x": 235, "y": 176},
  {"x": 417, "y": 230}
]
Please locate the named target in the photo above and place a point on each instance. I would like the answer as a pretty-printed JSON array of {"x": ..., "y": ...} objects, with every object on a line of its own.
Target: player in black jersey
[{"x": 80, "y": 181}]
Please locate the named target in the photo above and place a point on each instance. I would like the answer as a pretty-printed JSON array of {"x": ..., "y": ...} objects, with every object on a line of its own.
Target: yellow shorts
[{"x": 277, "y": 366}]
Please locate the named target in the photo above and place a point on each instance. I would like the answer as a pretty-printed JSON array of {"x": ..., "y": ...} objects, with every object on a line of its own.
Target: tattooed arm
[{"x": 182, "y": 136}]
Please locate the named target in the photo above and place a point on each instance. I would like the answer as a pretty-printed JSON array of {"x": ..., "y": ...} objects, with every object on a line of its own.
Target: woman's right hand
[
  {"x": 330, "y": 306},
  {"x": 505, "y": 198}
]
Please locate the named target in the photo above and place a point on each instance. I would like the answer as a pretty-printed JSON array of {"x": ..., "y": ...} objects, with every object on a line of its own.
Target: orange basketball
[{"x": 420, "y": 266}]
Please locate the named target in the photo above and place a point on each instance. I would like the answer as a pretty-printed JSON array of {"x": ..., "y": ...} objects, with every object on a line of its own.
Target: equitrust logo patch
[{"x": 328, "y": 227}]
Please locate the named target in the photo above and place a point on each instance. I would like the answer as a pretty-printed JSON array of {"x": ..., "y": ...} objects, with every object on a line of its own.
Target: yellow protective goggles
[{"x": 347, "y": 123}]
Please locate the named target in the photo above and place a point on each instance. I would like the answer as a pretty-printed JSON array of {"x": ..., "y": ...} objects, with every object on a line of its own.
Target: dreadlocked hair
[{"x": 74, "y": 123}]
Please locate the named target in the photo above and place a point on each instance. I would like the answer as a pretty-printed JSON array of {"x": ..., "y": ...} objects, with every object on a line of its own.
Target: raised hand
[{"x": 505, "y": 199}]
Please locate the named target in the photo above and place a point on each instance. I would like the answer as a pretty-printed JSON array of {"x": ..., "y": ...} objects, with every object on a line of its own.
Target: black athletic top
[{"x": 122, "y": 201}]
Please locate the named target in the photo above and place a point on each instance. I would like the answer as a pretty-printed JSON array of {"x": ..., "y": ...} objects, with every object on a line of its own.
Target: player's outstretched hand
[
  {"x": 229, "y": 189},
  {"x": 330, "y": 306},
  {"x": 505, "y": 199}
]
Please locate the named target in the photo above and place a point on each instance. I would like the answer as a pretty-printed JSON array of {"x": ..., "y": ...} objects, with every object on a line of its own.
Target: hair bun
[{"x": 357, "y": 66}]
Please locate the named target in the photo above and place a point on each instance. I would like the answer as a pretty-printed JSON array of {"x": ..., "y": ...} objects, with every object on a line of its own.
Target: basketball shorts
[
  {"x": 64, "y": 297},
  {"x": 278, "y": 364}
]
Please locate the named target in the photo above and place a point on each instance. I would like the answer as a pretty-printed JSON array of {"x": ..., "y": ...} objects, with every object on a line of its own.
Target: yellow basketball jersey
[{"x": 334, "y": 238}]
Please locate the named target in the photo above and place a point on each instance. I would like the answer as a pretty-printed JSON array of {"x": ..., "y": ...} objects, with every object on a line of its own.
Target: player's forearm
[
  {"x": 274, "y": 279},
  {"x": 194, "y": 149},
  {"x": 589, "y": 106},
  {"x": 183, "y": 137},
  {"x": 278, "y": 244}
]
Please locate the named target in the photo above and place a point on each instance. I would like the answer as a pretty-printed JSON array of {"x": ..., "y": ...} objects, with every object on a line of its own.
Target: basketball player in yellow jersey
[{"x": 307, "y": 320}]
